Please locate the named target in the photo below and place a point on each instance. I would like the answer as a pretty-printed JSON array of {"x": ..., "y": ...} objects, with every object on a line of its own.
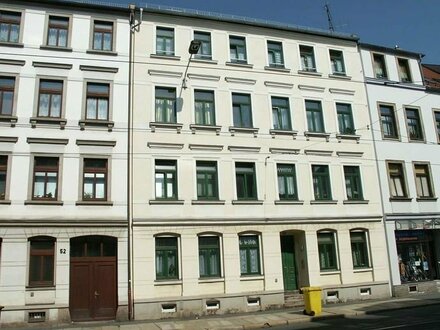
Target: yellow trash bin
[{"x": 312, "y": 300}]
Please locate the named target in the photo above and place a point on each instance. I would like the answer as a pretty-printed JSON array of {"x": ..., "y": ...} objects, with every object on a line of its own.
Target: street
[{"x": 425, "y": 317}]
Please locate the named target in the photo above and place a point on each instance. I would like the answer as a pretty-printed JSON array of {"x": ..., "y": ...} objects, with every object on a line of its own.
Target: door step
[{"x": 293, "y": 299}]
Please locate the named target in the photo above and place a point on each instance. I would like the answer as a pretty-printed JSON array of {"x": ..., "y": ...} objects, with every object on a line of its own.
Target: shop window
[{"x": 41, "y": 261}]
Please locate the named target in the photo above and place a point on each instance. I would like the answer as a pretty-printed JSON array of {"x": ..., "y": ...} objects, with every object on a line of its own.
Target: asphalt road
[{"x": 419, "y": 318}]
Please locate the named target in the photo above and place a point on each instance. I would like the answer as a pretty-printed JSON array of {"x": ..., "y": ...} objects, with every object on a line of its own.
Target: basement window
[
  {"x": 34, "y": 317},
  {"x": 253, "y": 301},
  {"x": 212, "y": 304},
  {"x": 365, "y": 291},
  {"x": 169, "y": 308}
]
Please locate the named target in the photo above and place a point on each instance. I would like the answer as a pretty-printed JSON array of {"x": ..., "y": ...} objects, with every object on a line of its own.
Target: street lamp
[{"x": 194, "y": 47}]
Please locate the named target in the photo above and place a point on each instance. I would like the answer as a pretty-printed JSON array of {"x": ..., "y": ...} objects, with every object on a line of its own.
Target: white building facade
[
  {"x": 405, "y": 121},
  {"x": 63, "y": 161},
  {"x": 256, "y": 179}
]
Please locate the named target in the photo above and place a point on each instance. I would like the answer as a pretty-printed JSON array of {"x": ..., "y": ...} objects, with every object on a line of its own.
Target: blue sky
[{"x": 411, "y": 24}]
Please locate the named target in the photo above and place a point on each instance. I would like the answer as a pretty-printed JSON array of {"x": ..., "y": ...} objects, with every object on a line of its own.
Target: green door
[{"x": 288, "y": 260}]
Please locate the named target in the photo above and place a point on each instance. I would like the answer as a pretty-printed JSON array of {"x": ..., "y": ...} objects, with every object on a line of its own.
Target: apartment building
[
  {"x": 63, "y": 161},
  {"x": 405, "y": 120},
  {"x": 253, "y": 167}
]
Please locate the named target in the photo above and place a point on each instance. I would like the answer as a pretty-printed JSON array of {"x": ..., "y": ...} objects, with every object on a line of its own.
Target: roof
[
  {"x": 432, "y": 67},
  {"x": 389, "y": 50}
]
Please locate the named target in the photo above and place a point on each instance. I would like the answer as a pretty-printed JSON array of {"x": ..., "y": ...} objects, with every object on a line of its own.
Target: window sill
[
  {"x": 94, "y": 203},
  {"x": 309, "y": 134},
  {"x": 251, "y": 277},
  {"x": 240, "y": 64},
  {"x": 329, "y": 272},
  {"x": 196, "y": 127},
  {"x": 207, "y": 202},
  {"x": 277, "y": 69},
  {"x": 43, "y": 202},
  {"x": 395, "y": 139},
  {"x": 310, "y": 73},
  {"x": 165, "y": 57},
  {"x": 275, "y": 132},
  {"x": 204, "y": 60},
  {"x": 362, "y": 270},
  {"x": 50, "y": 121},
  {"x": 175, "y": 126},
  {"x": 102, "y": 52},
  {"x": 57, "y": 48},
  {"x": 89, "y": 122},
  {"x": 211, "y": 279},
  {"x": 323, "y": 202},
  {"x": 11, "y": 44},
  {"x": 166, "y": 202},
  {"x": 348, "y": 137},
  {"x": 11, "y": 119},
  {"x": 339, "y": 76},
  {"x": 247, "y": 202},
  {"x": 400, "y": 199},
  {"x": 40, "y": 288},
  {"x": 5, "y": 202},
  {"x": 289, "y": 202},
  {"x": 167, "y": 282},
  {"x": 349, "y": 201},
  {"x": 426, "y": 199},
  {"x": 416, "y": 141},
  {"x": 250, "y": 130}
]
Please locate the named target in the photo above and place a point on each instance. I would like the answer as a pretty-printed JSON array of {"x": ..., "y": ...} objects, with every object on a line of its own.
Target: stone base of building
[
  {"x": 413, "y": 288},
  {"x": 355, "y": 292}
]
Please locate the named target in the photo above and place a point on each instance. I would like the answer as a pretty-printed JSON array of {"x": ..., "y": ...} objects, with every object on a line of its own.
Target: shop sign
[{"x": 418, "y": 224}]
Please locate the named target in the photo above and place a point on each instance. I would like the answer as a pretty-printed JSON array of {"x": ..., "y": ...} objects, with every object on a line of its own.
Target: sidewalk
[{"x": 264, "y": 319}]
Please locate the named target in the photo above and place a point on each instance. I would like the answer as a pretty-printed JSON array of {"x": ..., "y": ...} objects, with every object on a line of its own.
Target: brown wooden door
[{"x": 93, "y": 282}]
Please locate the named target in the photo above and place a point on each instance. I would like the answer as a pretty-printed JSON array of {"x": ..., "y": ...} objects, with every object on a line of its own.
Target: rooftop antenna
[{"x": 329, "y": 17}]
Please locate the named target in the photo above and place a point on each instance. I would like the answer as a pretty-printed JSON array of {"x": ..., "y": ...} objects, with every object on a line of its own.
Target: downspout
[{"x": 390, "y": 285}]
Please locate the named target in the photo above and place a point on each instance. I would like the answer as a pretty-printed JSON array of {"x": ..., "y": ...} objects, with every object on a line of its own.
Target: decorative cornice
[
  {"x": 12, "y": 62},
  {"x": 203, "y": 77},
  {"x": 52, "y": 65},
  {"x": 278, "y": 84},
  {"x": 240, "y": 81},
  {"x": 98, "y": 68},
  {"x": 310, "y": 152},
  {"x": 243, "y": 149},
  {"x": 161, "y": 145},
  {"x": 32, "y": 140},
  {"x": 208, "y": 147},
  {"x": 349, "y": 154},
  {"x": 341, "y": 91},
  {"x": 8, "y": 139},
  {"x": 165, "y": 73},
  {"x": 284, "y": 151},
  {"x": 311, "y": 88},
  {"x": 98, "y": 143}
]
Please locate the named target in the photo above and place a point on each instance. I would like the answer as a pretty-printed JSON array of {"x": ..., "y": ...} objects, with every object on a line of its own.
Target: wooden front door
[
  {"x": 288, "y": 261},
  {"x": 93, "y": 279}
]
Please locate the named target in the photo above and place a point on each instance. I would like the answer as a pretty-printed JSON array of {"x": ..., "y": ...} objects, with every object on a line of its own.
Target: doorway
[
  {"x": 288, "y": 262},
  {"x": 93, "y": 278}
]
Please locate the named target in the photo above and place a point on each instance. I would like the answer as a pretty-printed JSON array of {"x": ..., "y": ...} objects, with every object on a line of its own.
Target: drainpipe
[{"x": 390, "y": 285}]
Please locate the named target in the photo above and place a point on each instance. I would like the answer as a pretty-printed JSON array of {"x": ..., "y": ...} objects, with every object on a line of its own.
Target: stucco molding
[{"x": 31, "y": 140}]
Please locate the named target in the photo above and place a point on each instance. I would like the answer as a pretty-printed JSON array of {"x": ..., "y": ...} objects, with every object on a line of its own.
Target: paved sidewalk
[{"x": 264, "y": 319}]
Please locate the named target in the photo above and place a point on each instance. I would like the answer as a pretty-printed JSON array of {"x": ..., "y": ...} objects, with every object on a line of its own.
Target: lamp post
[{"x": 194, "y": 47}]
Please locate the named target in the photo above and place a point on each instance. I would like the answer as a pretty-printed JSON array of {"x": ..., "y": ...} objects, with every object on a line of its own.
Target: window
[
  {"x": 57, "y": 31},
  {"x": 315, "y": 121},
  {"x": 397, "y": 180},
  {"x": 9, "y": 26},
  {"x": 98, "y": 99},
  {"x": 414, "y": 124},
  {"x": 3, "y": 176},
  {"x": 245, "y": 181},
  {"x": 205, "y": 51},
  {"x": 166, "y": 179},
  {"x": 287, "y": 182},
  {"x": 166, "y": 258},
  {"x": 379, "y": 67},
  {"x": 359, "y": 249},
  {"x": 423, "y": 181},
  {"x": 102, "y": 36},
  {"x": 388, "y": 119},
  {"x": 206, "y": 180},
  {"x": 7, "y": 86},
  {"x": 50, "y": 98},
  {"x": 165, "y": 105},
  {"x": 249, "y": 255},
  {"x": 275, "y": 54},
  {"x": 204, "y": 107},
  {"x": 404, "y": 71},
  {"x": 437, "y": 123},
  {"x": 45, "y": 185},
  {"x": 209, "y": 256},
  {"x": 307, "y": 58},
  {"x": 95, "y": 179},
  {"x": 242, "y": 110},
  {"x": 237, "y": 49},
  {"x": 353, "y": 183},
  {"x": 327, "y": 251},
  {"x": 345, "y": 119},
  {"x": 41, "y": 261},
  {"x": 281, "y": 113},
  {"x": 321, "y": 182},
  {"x": 337, "y": 62},
  {"x": 165, "y": 41}
]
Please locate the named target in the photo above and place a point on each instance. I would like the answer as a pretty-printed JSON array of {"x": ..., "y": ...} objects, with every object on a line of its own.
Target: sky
[{"x": 413, "y": 25}]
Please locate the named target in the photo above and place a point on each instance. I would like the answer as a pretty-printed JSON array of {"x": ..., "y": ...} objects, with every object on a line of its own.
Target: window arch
[{"x": 41, "y": 261}]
